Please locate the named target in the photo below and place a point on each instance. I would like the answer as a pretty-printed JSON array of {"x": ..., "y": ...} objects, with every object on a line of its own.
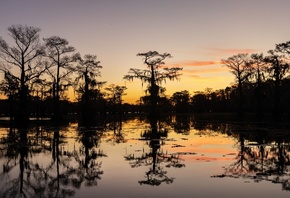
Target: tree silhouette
[
  {"x": 181, "y": 101},
  {"x": 283, "y": 47},
  {"x": 86, "y": 85},
  {"x": 258, "y": 68},
  {"x": 199, "y": 102},
  {"x": 10, "y": 87},
  {"x": 154, "y": 75},
  {"x": 277, "y": 71},
  {"x": 239, "y": 67},
  {"x": 59, "y": 66},
  {"x": 115, "y": 93},
  {"x": 40, "y": 89},
  {"x": 24, "y": 56}
]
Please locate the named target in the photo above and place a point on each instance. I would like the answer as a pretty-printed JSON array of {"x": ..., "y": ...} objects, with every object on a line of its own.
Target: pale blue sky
[{"x": 194, "y": 32}]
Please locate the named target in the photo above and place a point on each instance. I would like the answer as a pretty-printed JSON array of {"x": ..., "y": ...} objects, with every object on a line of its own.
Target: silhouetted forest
[{"x": 37, "y": 76}]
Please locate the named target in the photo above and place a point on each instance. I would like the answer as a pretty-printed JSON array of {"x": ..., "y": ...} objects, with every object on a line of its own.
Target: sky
[{"x": 197, "y": 33}]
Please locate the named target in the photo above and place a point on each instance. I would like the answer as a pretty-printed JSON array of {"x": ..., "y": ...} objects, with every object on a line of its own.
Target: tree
[
  {"x": 239, "y": 67},
  {"x": 277, "y": 69},
  {"x": 24, "y": 56},
  {"x": 59, "y": 67},
  {"x": 258, "y": 68},
  {"x": 181, "y": 101},
  {"x": 86, "y": 85},
  {"x": 283, "y": 48},
  {"x": 199, "y": 102},
  {"x": 115, "y": 96},
  {"x": 9, "y": 86},
  {"x": 154, "y": 75},
  {"x": 39, "y": 92}
]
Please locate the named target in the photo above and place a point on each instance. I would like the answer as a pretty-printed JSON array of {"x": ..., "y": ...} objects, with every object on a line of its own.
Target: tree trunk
[
  {"x": 23, "y": 115},
  {"x": 241, "y": 99},
  {"x": 154, "y": 89},
  {"x": 57, "y": 117}
]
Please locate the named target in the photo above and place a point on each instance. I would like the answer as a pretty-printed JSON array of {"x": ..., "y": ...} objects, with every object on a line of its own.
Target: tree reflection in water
[
  {"x": 16, "y": 152},
  {"x": 264, "y": 155},
  {"x": 156, "y": 158},
  {"x": 59, "y": 161},
  {"x": 89, "y": 169},
  {"x": 28, "y": 172},
  {"x": 116, "y": 126},
  {"x": 181, "y": 124}
]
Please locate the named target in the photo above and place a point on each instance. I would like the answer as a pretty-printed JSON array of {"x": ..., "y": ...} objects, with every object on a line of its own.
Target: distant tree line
[{"x": 38, "y": 73}]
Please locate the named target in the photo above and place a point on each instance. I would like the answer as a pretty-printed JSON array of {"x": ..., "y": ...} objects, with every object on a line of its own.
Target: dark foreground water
[{"x": 179, "y": 156}]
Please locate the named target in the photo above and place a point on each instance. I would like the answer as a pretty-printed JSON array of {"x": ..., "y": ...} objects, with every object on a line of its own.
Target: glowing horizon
[{"x": 198, "y": 34}]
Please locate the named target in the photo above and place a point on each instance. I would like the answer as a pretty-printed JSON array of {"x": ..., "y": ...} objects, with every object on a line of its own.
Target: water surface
[{"x": 179, "y": 156}]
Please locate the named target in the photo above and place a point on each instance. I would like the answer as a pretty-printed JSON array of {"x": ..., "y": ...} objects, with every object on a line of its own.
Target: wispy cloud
[
  {"x": 216, "y": 55},
  {"x": 193, "y": 63},
  {"x": 232, "y": 51},
  {"x": 205, "y": 70},
  {"x": 194, "y": 76}
]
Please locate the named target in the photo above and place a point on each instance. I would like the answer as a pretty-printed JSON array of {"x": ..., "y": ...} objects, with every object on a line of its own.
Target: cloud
[
  {"x": 193, "y": 63},
  {"x": 194, "y": 76},
  {"x": 232, "y": 51},
  {"x": 205, "y": 70},
  {"x": 215, "y": 53}
]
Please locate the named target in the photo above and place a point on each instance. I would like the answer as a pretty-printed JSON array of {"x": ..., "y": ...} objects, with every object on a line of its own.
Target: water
[{"x": 176, "y": 157}]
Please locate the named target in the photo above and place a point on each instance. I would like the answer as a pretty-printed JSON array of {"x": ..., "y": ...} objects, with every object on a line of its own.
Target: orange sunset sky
[{"x": 197, "y": 33}]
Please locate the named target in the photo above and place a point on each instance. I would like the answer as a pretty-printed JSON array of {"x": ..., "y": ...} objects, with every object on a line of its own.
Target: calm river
[{"x": 178, "y": 156}]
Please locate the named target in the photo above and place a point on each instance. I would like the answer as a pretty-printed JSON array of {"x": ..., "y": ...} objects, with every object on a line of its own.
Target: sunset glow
[{"x": 198, "y": 34}]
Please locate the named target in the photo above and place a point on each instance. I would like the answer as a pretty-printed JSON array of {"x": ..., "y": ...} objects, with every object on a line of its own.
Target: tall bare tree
[
  {"x": 86, "y": 84},
  {"x": 154, "y": 75},
  {"x": 239, "y": 67},
  {"x": 60, "y": 65},
  {"x": 88, "y": 69},
  {"x": 22, "y": 61}
]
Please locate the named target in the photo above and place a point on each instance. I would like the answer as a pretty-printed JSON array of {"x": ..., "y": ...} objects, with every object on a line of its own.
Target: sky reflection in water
[{"x": 178, "y": 157}]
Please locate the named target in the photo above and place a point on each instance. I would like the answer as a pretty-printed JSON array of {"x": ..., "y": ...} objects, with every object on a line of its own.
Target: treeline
[
  {"x": 38, "y": 73},
  {"x": 262, "y": 85},
  {"x": 208, "y": 101}
]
